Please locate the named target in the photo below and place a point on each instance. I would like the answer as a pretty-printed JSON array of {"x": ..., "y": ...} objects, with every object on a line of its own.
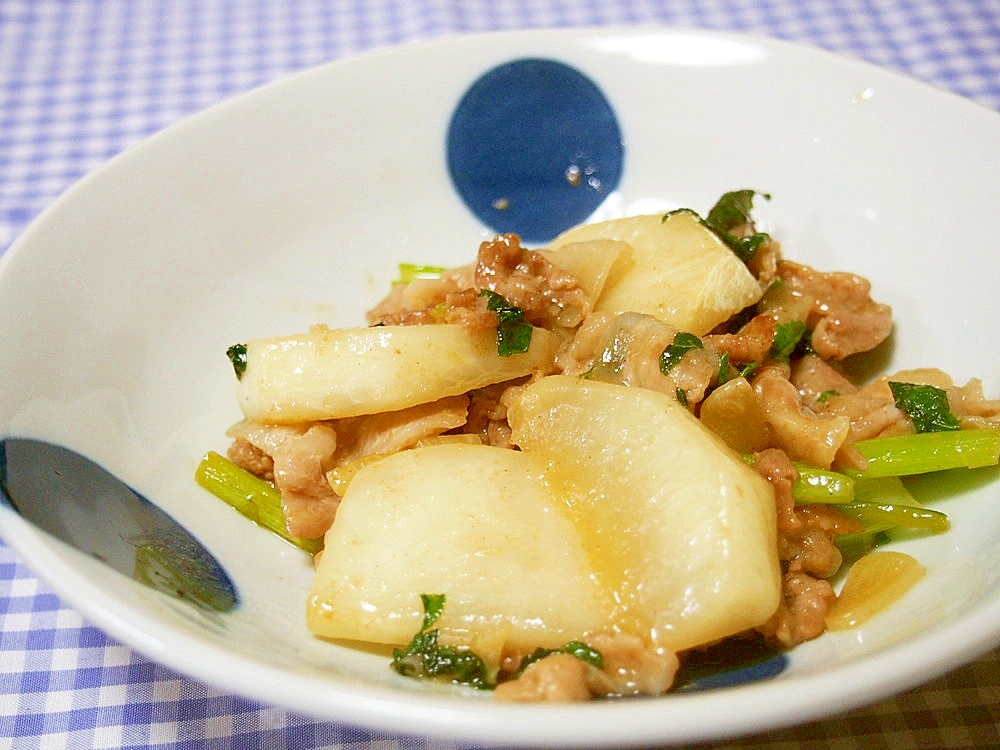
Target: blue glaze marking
[
  {"x": 755, "y": 672},
  {"x": 77, "y": 501},
  {"x": 534, "y": 148},
  {"x": 734, "y": 661}
]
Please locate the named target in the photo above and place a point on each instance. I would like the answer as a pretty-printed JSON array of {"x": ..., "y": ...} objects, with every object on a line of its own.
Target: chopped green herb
[
  {"x": 730, "y": 211},
  {"x": 827, "y": 395},
  {"x": 787, "y": 337},
  {"x": 682, "y": 397},
  {"x": 747, "y": 247},
  {"x": 725, "y": 369},
  {"x": 237, "y": 354},
  {"x": 925, "y": 405},
  {"x": 682, "y": 344},
  {"x": 733, "y": 210},
  {"x": 425, "y": 658},
  {"x": 433, "y": 609},
  {"x": 513, "y": 331},
  {"x": 513, "y": 338}
]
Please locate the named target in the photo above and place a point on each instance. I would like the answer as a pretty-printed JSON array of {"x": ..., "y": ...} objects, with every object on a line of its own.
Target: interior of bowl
[{"x": 293, "y": 205}]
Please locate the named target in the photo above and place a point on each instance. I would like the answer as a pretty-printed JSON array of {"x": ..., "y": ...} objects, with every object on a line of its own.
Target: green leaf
[
  {"x": 237, "y": 354},
  {"x": 425, "y": 658},
  {"x": 585, "y": 653},
  {"x": 513, "y": 331},
  {"x": 682, "y": 344},
  {"x": 925, "y": 405},
  {"x": 433, "y": 607},
  {"x": 513, "y": 338},
  {"x": 787, "y": 337},
  {"x": 733, "y": 210},
  {"x": 725, "y": 369},
  {"x": 580, "y": 650},
  {"x": 746, "y": 247}
]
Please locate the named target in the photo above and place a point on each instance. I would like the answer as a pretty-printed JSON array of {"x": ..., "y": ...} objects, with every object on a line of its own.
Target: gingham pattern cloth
[{"x": 81, "y": 81}]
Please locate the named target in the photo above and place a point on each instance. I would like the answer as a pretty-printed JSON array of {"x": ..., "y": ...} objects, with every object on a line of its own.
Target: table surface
[{"x": 81, "y": 81}]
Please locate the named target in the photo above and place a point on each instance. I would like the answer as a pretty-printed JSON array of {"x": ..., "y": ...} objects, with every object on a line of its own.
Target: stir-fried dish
[{"x": 559, "y": 472}]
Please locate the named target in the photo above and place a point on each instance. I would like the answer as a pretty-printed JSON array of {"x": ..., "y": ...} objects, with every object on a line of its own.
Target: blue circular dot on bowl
[{"x": 534, "y": 148}]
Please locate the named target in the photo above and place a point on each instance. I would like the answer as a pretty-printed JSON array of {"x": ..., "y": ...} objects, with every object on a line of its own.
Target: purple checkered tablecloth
[{"x": 82, "y": 80}]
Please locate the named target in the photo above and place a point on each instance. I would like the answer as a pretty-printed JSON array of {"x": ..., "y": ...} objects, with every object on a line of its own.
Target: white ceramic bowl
[{"x": 293, "y": 204}]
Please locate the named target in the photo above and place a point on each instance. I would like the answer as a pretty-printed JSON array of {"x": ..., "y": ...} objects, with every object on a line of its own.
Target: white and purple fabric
[{"x": 81, "y": 80}]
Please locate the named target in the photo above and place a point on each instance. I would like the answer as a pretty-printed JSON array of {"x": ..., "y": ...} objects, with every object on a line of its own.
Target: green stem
[
  {"x": 903, "y": 455},
  {"x": 250, "y": 495},
  {"x": 883, "y": 516},
  {"x": 883, "y": 491},
  {"x": 822, "y": 486},
  {"x": 412, "y": 271}
]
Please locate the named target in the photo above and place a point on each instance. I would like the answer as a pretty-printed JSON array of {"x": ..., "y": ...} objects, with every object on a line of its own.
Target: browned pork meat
[
  {"x": 422, "y": 301},
  {"x": 808, "y": 552},
  {"x": 844, "y": 319},
  {"x": 300, "y": 466},
  {"x": 392, "y": 431},
  {"x": 526, "y": 279},
  {"x": 295, "y": 458},
  {"x": 626, "y": 349},
  {"x": 807, "y": 544},
  {"x": 972, "y": 407},
  {"x": 801, "y": 616},
  {"x": 817, "y": 380},
  {"x": 752, "y": 343},
  {"x": 557, "y": 678},
  {"x": 799, "y": 431},
  {"x": 488, "y": 413},
  {"x": 629, "y": 667},
  {"x": 777, "y": 468},
  {"x": 764, "y": 264}
]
